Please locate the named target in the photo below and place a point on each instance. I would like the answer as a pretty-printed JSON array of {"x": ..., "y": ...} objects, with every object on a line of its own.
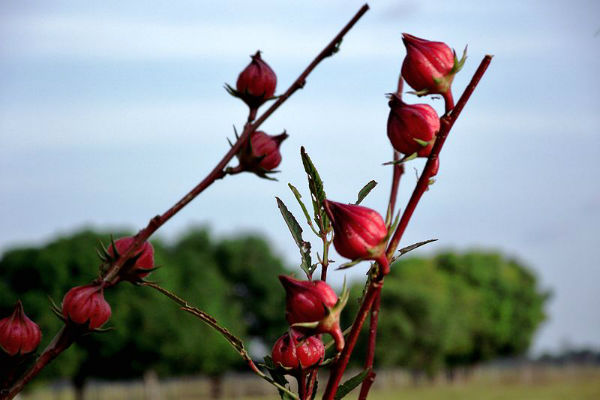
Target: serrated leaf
[
  {"x": 365, "y": 191},
  {"x": 351, "y": 383},
  {"x": 304, "y": 210},
  {"x": 296, "y": 232},
  {"x": 315, "y": 184}
]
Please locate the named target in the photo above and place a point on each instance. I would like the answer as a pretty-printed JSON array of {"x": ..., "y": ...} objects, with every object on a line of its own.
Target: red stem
[
  {"x": 339, "y": 367},
  {"x": 374, "y": 319},
  {"x": 447, "y": 121},
  {"x": 63, "y": 339},
  {"x": 217, "y": 172}
]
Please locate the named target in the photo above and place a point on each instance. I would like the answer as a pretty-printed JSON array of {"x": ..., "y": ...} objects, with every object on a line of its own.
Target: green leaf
[
  {"x": 304, "y": 210},
  {"x": 365, "y": 191},
  {"x": 349, "y": 264},
  {"x": 351, "y": 383},
  {"x": 315, "y": 184},
  {"x": 296, "y": 232}
]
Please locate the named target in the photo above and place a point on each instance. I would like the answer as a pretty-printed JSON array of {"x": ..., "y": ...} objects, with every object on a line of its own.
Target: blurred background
[{"x": 110, "y": 111}]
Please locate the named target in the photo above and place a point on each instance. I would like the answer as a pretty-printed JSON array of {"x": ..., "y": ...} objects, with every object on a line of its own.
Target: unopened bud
[
  {"x": 313, "y": 307},
  {"x": 85, "y": 305},
  {"x": 429, "y": 67},
  {"x": 296, "y": 352},
  {"x": 140, "y": 264},
  {"x": 358, "y": 232},
  {"x": 19, "y": 334},
  {"x": 256, "y": 83},
  {"x": 412, "y": 127}
]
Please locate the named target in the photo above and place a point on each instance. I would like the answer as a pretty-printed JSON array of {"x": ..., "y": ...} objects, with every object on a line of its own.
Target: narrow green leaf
[
  {"x": 349, "y": 264},
  {"x": 296, "y": 232},
  {"x": 304, "y": 210},
  {"x": 315, "y": 184},
  {"x": 365, "y": 191},
  {"x": 351, "y": 383},
  {"x": 412, "y": 247}
]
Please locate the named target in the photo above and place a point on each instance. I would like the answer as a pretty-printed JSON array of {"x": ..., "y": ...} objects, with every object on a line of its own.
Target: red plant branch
[
  {"x": 62, "y": 341},
  {"x": 447, "y": 121}
]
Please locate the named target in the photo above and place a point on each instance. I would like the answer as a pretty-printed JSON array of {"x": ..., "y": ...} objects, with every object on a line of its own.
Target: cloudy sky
[{"x": 110, "y": 111}]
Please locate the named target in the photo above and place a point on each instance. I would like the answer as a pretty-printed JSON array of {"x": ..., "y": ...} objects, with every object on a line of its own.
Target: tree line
[{"x": 438, "y": 313}]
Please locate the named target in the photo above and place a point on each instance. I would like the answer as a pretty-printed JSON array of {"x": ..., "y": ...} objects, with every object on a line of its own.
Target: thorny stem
[
  {"x": 447, "y": 121},
  {"x": 237, "y": 344},
  {"x": 217, "y": 173}
]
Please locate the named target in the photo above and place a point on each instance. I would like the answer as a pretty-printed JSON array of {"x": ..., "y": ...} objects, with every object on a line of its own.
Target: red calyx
[
  {"x": 295, "y": 351},
  {"x": 85, "y": 305},
  {"x": 359, "y": 232},
  {"x": 267, "y": 147},
  {"x": 412, "y": 127},
  {"x": 142, "y": 260},
  {"x": 313, "y": 307},
  {"x": 19, "y": 334},
  {"x": 429, "y": 67},
  {"x": 256, "y": 83}
]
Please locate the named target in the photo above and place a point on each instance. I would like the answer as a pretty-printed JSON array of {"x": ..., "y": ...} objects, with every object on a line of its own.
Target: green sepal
[
  {"x": 423, "y": 143},
  {"x": 309, "y": 325},
  {"x": 459, "y": 64}
]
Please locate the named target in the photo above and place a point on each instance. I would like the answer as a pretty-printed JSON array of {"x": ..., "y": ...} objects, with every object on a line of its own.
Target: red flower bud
[
  {"x": 412, "y": 127},
  {"x": 85, "y": 305},
  {"x": 267, "y": 146},
  {"x": 295, "y": 351},
  {"x": 19, "y": 334},
  {"x": 358, "y": 232},
  {"x": 429, "y": 67},
  {"x": 256, "y": 83},
  {"x": 143, "y": 259},
  {"x": 313, "y": 307}
]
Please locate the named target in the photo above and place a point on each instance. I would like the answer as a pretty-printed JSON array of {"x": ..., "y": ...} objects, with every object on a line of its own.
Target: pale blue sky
[{"x": 110, "y": 111}]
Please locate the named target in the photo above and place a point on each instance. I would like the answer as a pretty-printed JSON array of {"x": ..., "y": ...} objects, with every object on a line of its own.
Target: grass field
[{"x": 568, "y": 383}]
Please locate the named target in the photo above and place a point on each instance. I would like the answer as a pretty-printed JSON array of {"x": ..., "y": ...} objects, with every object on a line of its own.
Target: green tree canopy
[{"x": 234, "y": 280}]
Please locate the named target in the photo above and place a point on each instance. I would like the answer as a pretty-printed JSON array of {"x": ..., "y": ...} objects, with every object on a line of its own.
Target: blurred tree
[
  {"x": 455, "y": 310},
  {"x": 150, "y": 332}
]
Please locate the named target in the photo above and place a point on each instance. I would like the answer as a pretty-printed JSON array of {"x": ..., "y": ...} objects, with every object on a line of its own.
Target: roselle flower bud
[
  {"x": 295, "y": 351},
  {"x": 85, "y": 305},
  {"x": 412, "y": 127},
  {"x": 141, "y": 263},
  {"x": 267, "y": 147},
  {"x": 313, "y": 307},
  {"x": 19, "y": 334},
  {"x": 261, "y": 155},
  {"x": 358, "y": 232},
  {"x": 429, "y": 67},
  {"x": 256, "y": 83}
]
